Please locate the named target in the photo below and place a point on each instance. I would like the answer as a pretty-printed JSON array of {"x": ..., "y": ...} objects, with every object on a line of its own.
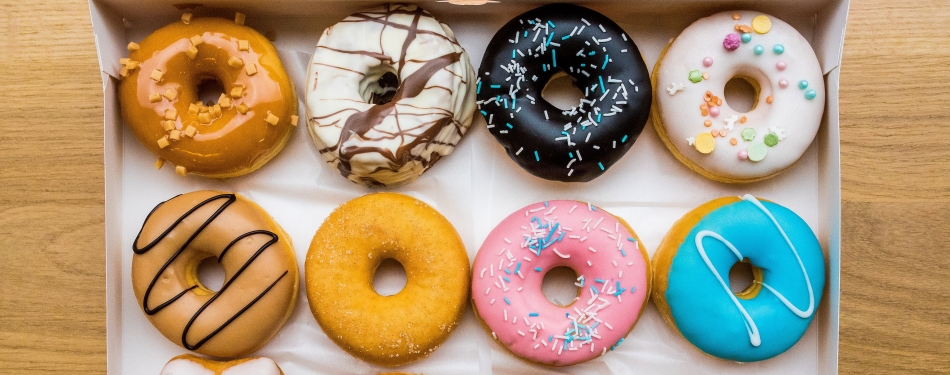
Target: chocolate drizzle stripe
[{"x": 229, "y": 199}]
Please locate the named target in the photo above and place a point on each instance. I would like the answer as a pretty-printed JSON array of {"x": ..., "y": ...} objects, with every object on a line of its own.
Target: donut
[
  {"x": 343, "y": 257},
  {"x": 692, "y": 290},
  {"x": 613, "y": 282},
  {"x": 260, "y": 283},
  {"x": 159, "y": 95},
  {"x": 581, "y": 143},
  {"x": 701, "y": 129},
  {"x": 187, "y": 364},
  {"x": 390, "y": 92}
]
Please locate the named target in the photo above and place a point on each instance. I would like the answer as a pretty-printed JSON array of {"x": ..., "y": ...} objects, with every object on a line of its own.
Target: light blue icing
[{"x": 709, "y": 315}]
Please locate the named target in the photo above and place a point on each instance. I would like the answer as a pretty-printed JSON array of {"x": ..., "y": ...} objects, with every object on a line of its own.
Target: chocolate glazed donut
[{"x": 581, "y": 143}]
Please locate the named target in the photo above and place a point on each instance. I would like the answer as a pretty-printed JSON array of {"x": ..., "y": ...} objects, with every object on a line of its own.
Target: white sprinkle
[
  {"x": 521, "y": 333},
  {"x": 487, "y": 290},
  {"x": 631, "y": 82},
  {"x": 520, "y": 275},
  {"x": 503, "y": 132},
  {"x": 591, "y": 249},
  {"x": 581, "y": 30},
  {"x": 585, "y": 22},
  {"x": 534, "y": 78},
  {"x": 589, "y": 264},
  {"x": 500, "y": 262},
  {"x": 492, "y": 302},
  {"x": 602, "y": 29},
  {"x": 506, "y": 315},
  {"x": 527, "y": 259},
  {"x": 502, "y": 251},
  {"x": 623, "y": 50},
  {"x": 506, "y": 240},
  {"x": 493, "y": 335},
  {"x": 536, "y": 345},
  {"x": 545, "y": 343},
  {"x": 615, "y": 144},
  {"x": 620, "y": 276},
  {"x": 519, "y": 153},
  {"x": 605, "y": 95},
  {"x": 491, "y": 126},
  {"x": 570, "y": 162},
  {"x": 636, "y": 89},
  {"x": 607, "y": 325},
  {"x": 595, "y": 40},
  {"x": 588, "y": 138},
  {"x": 578, "y": 152},
  {"x": 514, "y": 320},
  {"x": 559, "y": 349},
  {"x": 562, "y": 255},
  {"x": 572, "y": 209},
  {"x": 597, "y": 223},
  {"x": 482, "y": 275},
  {"x": 596, "y": 147},
  {"x": 624, "y": 36}
]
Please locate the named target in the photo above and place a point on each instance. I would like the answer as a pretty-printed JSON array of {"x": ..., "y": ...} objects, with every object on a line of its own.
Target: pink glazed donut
[{"x": 614, "y": 278}]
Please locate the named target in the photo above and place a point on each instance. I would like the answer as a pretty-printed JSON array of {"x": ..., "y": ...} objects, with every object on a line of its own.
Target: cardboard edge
[
  {"x": 109, "y": 34},
  {"x": 830, "y": 24},
  {"x": 830, "y": 195}
]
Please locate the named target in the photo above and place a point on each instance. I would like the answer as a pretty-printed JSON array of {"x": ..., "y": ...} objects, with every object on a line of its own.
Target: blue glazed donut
[{"x": 692, "y": 287}]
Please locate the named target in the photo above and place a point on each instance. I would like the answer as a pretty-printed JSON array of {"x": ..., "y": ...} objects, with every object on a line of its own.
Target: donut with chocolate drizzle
[
  {"x": 390, "y": 93},
  {"x": 580, "y": 143},
  {"x": 261, "y": 277}
]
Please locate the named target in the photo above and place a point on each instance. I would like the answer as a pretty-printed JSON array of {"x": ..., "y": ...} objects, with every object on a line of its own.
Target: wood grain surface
[{"x": 895, "y": 146}]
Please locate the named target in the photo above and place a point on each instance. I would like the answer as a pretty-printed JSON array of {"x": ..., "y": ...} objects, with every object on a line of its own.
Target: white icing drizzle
[{"x": 753, "y": 330}]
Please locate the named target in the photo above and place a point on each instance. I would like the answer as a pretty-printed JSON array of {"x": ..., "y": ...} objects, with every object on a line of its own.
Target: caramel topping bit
[
  {"x": 251, "y": 69},
  {"x": 159, "y": 163},
  {"x": 294, "y": 119},
  {"x": 242, "y": 108},
  {"x": 163, "y": 142},
  {"x": 735, "y": 16},
  {"x": 216, "y": 110},
  {"x": 235, "y": 62},
  {"x": 154, "y": 97},
  {"x": 244, "y": 45},
  {"x": 190, "y": 131},
  {"x": 204, "y": 118},
  {"x": 271, "y": 119},
  {"x": 124, "y": 72},
  {"x": 237, "y": 92},
  {"x": 191, "y": 52},
  {"x": 171, "y": 114},
  {"x": 181, "y": 170},
  {"x": 224, "y": 101},
  {"x": 193, "y": 109},
  {"x": 174, "y": 135},
  {"x": 239, "y": 18},
  {"x": 157, "y": 75},
  {"x": 202, "y": 108},
  {"x": 196, "y": 40},
  {"x": 186, "y": 18},
  {"x": 171, "y": 94},
  {"x": 132, "y": 64},
  {"x": 124, "y": 60},
  {"x": 133, "y": 46},
  {"x": 168, "y": 125}
]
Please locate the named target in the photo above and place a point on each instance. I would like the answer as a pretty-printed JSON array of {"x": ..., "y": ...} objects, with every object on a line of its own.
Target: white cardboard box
[{"x": 648, "y": 188}]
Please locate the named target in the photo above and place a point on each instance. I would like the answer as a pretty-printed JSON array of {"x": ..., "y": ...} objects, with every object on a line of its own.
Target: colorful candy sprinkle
[
  {"x": 707, "y": 61},
  {"x": 781, "y": 65},
  {"x": 771, "y": 140},
  {"x": 757, "y": 151},
  {"x": 731, "y": 42},
  {"x": 714, "y": 111},
  {"x": 705, "y": 143},
  {"x": 778, "y": 49},
  {"x": 748, "y": 134},
  {"x": 810, "y": 94},
  {"x": 758, "y": 49},
  {"x": 746, "y": 37},
  {"x": 762, "y": 24},
  {"x": 695, "y": 76},
  {"x": 803, "y": 84},
  {"x": 743, "y": 155},
  {"x": 783, "y": 83}
]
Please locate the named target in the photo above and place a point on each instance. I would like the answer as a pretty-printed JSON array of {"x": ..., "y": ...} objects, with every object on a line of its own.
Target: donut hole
[
  {"x": 560, "y": 92},
  {"x": 209, "y": 91},
  {"x": 379, "y": 85},
  {"x": 745, "y": 279},
  {"x": 210, "y": 274},
  {"x": 558, "y": 286},
  {"x": 741, "y": 93},
  {"x": 389, "y": 278}
]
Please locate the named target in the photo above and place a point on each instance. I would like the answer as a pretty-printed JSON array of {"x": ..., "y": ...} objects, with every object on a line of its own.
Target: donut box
[{"x": 474, "y": 189}]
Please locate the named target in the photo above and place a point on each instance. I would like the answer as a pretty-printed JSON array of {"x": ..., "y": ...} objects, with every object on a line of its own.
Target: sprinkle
[
  {"x": 191, "y": 52},
  {"x": 181, "y": 170},
  {"x": 553, "y": 55},
  {"x": 602, "y": 28},
  {"x": 237, "y": 92},
  {"x": 519, "y": 153},
  {"x": 589, "y": 264},
  {"x": 559, "y": 254},
  {"x": 132, "y": 46},
  {"x": 190, "y": 131},
  {"x": 508, "y": 302},
  {"x": 154, "y": 97},
  {"x": 163, "y": 142},
  {"x": 250, "y": 69},
  {"x": 196, "y": 40},
  {"x": 271, "y": 119},
  {"x": 602, "y": 87},
  {"x": 600, "y": 165},
  {"x": 536, "y": 157},
  {"x": 157, "y": 75},
  {"x": 171, "y": 94},
  {"x": 239, "y": 18},
  {"x": 538, "y": 269},
  {"x": 235, "y": 62},
  {"x": 171, "y": 114},
  {"x": 243, "y": 45}
]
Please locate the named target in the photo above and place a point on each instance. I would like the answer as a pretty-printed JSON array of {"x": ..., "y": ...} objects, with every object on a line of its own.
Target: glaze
[
  {"x": 581, "y": 143},
  {"x": 767, "y": 318},
  {"x": 701, "y": 129},
  {"x": 389, "y": 94},
  {"x": 188, "y": 364},
  {"x": 614, "y": 282}
]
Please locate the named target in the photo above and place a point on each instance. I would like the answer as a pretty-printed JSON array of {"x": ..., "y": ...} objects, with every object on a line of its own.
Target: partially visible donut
[
  {"x": 704, "y": 131},
  {"x": 692, "y": 288},
  {"x": 187, "y": 364},
  {"x": 247, "y": 126},
  {"x": 581, "y": 143},
  {"x": 261, "y": 278},
  {"x": 390, "y": 92},
  {"x": 343, "y": 258}
]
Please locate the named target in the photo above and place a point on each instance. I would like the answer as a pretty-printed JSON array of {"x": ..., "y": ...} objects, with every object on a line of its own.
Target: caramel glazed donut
[
  {"x": 248, "y": 125},
  {"x": 187, "y": 364},
  {"x": 374, "y": 133},
  {"x": 261, "y": 278},
  {"x": 343, "y": 258}
]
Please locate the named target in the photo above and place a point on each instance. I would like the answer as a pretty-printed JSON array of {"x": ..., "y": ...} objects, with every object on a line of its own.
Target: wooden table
[{"x": 895, "y": 146}]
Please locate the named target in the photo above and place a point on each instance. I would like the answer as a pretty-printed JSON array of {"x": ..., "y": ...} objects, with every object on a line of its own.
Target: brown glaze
[{"x": 233, "y": 144}]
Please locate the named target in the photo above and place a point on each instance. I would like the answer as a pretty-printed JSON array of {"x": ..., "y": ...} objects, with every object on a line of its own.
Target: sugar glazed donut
[
  {"x": 614, "y": 282},
  {"x": 701, "y": 129},
  {"x": 581, "y": 143},
  {"x": 261, "y": 278},
  {"x": 187, "y": 364},
  {"x": 159, "y": 95},
  {"x": 343, "y": 258},
  {"x": 390, "y": 92},
  {"x": 693, "y": 292}
]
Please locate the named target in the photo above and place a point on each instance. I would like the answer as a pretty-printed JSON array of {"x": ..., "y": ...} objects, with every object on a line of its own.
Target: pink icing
[{"x": 580, "y": 228}]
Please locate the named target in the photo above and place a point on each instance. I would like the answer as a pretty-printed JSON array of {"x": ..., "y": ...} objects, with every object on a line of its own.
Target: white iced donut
[
  {"x": 187, "y": 364},
  {"x": 390, "y": 92},
  {"x": 708, "y": 136}
]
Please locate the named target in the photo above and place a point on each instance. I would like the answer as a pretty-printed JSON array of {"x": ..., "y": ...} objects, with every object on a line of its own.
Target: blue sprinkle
[
  {"x": 623, "y": 253},
  {"x": 507, "y": 280},
  {"x": 624, "y": 140},
  {"x": 506, "y": 103},
  {"x": 567, "y": 315},
  {"x": 594, "y": 325},
  {"x": 565, "y": 344},
  {"x": 512, "y": 54},
  {"x": 549, "y": 23},
  {"x": 546, "y": 202},
  {"x": 565, "y": 37},
  {"x": 537, "y": 269},
  {"x": 526, "y": 33},
  {"x": 536, "y": 157},
  {"x": 633, "y": 289},
  {"x": 591, "y": 53},
  {"x": 599, "y": 164},
  {"x": 495, "y": 86},
  {"x": 507, "y": 301},
  {"x": 554, "y": 56},
  {"x": 544, "y": 67},
  {"x": 602, "y": 88},
  {"x": 582, "y": 280},
  {"x": 594, "y": 291},
  {"x": 479, "y": 89},
  {"x": 599, "y": 116},
  {"x": 548, "y": 43},
  {"x": 593, "y": 208},
  {"x": 583, "y": 65},
  {"x": 570, "y": 154},
  {"x": 631, "y": 239},
  {"x": 533, "y": 314},
  {"x": 531, "y": 22},
  {"x": 606, "y": 60},
  {"x": 599, "y": 281},
  {"x": 617, "y": 344},
  {"x": 484, "y": 113},
  {"x": 507, "y": 271},
  {"x": 550, "y": 338},
  {"x": 618, "y": 285},
  {"x": 514, "y": 102},
  {"x": 518, "y": 268}
]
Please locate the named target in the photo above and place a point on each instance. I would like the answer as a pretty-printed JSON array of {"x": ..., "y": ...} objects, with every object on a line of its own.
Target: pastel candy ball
[
  {"x": 781, "y": 65},
  {"x": 778, "y": 49},
  {"x": 783, "y": 83},
  {"x": 810, "y": 94},
  {"x": 707, "y": 62},
  {"x": 714, "y": 111},
  {"x": 758, "y": 49},
  {"x": 746, "y": 37},
  {"x": 731, "y": 42},
  {"x": 803, "y": 84},
  {"x": 743, "y": 155}
]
